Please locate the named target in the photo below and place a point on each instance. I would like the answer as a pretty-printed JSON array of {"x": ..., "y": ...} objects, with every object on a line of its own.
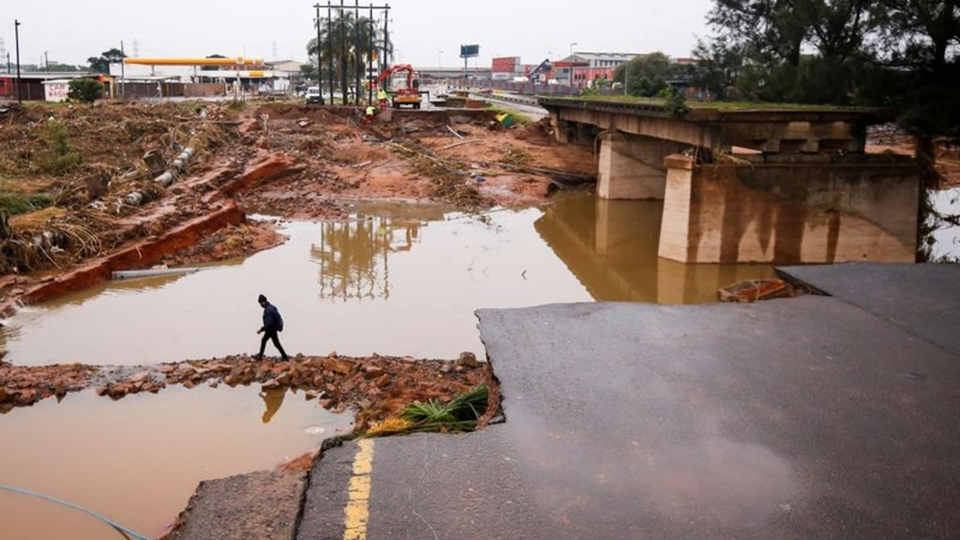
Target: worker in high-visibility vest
[
  {"x": 383, "y": 98},
  {"x": 368, "y": 117}
]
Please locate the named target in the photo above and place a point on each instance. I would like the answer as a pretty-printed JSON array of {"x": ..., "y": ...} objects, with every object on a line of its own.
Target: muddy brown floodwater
[
  {"x": 138, "y": 460},
  {"x": 399, "y": 279}
]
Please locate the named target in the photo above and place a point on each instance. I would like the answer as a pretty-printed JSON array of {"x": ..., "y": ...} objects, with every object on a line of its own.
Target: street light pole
[{"x": 16, "y": 30}]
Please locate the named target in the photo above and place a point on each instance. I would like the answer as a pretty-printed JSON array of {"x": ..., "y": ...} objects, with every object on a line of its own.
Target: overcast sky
[{"x": 74, "y": 30}]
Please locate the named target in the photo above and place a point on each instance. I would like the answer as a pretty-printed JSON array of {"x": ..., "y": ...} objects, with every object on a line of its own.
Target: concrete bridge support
[
  {"x": 791, "y": 209},
  {"x": 632, "y": 166}
]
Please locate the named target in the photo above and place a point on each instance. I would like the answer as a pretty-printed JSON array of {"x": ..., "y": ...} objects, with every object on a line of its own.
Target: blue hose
[{"x": 113, "y": 524}]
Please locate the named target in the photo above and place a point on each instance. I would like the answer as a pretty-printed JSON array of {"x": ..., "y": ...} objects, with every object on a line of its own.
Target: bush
[
  {"x": 60, "y": 155},
  {"x": 85, "y": 90},
  {"x": 21, "y": 203},
  {"x": 675, "y": 101}
]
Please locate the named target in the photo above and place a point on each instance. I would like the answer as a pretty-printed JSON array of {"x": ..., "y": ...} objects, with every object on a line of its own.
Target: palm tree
[{"x": 346, "y": 43}]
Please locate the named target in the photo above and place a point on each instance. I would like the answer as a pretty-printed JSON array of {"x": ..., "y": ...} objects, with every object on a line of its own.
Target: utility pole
[
  {"x": 386, "y": 38},
  {"x": 343, "y": 57},
  {"x": 369, "y": 76},
  {"x": 16, "y": 32},
  {"x": 46, "y": 60},
  {"x": 9, "y": 69},
  {"x": 330, "y": 51},
  {"x": 357, "y": 60},
  {"x": 123, "y": 69},
  {"x": 319, "y": 61}
]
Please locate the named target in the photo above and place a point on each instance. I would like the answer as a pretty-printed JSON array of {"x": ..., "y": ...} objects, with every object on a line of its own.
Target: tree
[
  {"x": 648, "y": 74},
  {"x": 339, "y": 45},
  {"x": 85, "y": 90},
  {"x": 212, "y": 68},
  {"x": 718, "y": 66},
  {"x": 101, "y": 64}
]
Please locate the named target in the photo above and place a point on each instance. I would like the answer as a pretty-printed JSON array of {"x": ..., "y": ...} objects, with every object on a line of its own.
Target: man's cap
[{"x": 262, "y": 299}]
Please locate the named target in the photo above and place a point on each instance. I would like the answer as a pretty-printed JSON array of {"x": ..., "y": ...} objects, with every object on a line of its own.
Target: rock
[
  {"x": 310, "y": 395},
  {"x": 372, "y": 372},
  {"x": 17, "y": 292},
  {"x": 284, "y": 378},
  {"x": 326, "y": 403},
  {"x": 140, "y": 377},
  {"x": 343, "y": 367},
  {"x": 189, "y": 385},
  {"x": 318, "y": 381},
  {"x": 383, "y": 381},
  {"x": 270, "y": 385},
  {"x": 231, "y": 380},
  {"x": 187, "y": 371},
  {"x": 101, "y": 391},
  {"x": 167, "y": 369},
  {"x": 468, "y": 359},
  {"x": 4, "y": 395},
  {"x": 348, "y": 386},
  {"x": 214, "y": 384}
]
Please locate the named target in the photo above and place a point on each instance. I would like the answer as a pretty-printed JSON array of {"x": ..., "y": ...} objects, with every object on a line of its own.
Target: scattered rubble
[
  {"x": 22, "y": 386},
  {"x": 377, "y": 387}
]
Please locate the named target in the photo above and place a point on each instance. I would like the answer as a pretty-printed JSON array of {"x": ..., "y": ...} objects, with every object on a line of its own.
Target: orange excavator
[{"x": 403, "y": 96}]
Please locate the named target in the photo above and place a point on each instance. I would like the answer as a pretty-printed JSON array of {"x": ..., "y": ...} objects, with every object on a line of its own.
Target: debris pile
[
  {"x": 378, "y": 387},
  {"x": 21, "y": 386}
]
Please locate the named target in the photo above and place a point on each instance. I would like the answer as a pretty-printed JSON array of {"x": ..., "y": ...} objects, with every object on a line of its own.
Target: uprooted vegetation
[{"x": 68, "y": 174}]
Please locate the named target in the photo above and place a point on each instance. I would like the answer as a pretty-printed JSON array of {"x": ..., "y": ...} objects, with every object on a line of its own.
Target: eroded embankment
[{"x": 376, "y": 387}]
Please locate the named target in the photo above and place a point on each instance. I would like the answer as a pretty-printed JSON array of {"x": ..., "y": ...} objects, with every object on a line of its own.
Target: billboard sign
[{"x": 469, "y": 51}]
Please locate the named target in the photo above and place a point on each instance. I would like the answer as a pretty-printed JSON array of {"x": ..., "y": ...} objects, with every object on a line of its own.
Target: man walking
[{"x": 272, "y": 324}]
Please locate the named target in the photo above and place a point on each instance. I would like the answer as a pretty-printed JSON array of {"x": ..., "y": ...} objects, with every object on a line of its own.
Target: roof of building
[
  {"x": 587, "y": 56},
  {"x": 47, "y": 75}
]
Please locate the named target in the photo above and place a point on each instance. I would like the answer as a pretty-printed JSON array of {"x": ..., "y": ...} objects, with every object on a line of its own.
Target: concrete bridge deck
[{"x": 765, "y": 185}]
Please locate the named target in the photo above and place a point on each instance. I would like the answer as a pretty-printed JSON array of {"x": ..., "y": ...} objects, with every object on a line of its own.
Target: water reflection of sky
[{"x": 399, "y": 279}]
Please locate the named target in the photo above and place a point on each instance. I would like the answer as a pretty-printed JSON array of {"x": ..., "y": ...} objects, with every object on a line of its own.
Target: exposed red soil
[{"x": 295, "y": 162}]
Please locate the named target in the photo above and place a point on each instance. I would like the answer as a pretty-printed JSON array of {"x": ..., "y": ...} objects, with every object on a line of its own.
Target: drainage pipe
[{"x": 120, "y": 528}]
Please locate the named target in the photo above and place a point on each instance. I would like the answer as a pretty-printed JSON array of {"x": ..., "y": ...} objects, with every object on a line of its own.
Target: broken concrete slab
[
  {"x": 261, "y": 505},
  {"x": 920, "y": 298}
]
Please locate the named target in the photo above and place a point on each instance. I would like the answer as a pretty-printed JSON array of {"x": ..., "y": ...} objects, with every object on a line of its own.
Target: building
[
  {"x": 32, "y": 87},
  {"x": 584, "y": 67}
]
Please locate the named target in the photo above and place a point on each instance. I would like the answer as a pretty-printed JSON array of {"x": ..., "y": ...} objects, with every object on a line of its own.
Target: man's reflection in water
[{"x": 273, "y": 400}]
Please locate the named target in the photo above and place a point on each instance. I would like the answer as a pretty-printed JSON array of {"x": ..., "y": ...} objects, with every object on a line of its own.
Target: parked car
[{"x": 313, "y": 95}]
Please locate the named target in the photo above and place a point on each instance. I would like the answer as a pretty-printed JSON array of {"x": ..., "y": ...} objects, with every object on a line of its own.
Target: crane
[{"x": 410, "y": 95}]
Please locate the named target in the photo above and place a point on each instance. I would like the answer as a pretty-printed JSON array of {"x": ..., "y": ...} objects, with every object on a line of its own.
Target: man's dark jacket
[{"x": 272, "y": 319}]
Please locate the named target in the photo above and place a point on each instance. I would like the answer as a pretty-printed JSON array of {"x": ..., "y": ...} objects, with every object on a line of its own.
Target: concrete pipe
[
  {"x": 165, "y": 179},
  {"x": 134, "y": 199}
]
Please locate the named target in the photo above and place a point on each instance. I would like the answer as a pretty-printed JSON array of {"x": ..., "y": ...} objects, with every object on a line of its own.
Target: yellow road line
[{"x": 357, "y": 513}]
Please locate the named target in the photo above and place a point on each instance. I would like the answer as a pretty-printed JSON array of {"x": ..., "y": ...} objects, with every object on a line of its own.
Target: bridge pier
[
  {"x": 791, "y": 209},
  {"x": 632, "y": 166}
]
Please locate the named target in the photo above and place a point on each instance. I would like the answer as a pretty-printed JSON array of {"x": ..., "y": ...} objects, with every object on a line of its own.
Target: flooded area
[
  {"x": 400, "y": 279},
  {"x": 138, "y": 460},
  {"x": 397, "y": 279}
]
